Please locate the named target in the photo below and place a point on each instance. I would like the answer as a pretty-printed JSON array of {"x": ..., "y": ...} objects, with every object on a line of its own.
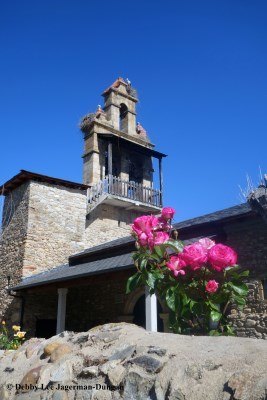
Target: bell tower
[{"x": 118, "y": 154}]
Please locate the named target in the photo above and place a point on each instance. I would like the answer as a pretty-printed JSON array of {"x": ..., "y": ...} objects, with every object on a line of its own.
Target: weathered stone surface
[
  {"x": 157, "y": 350},
  {"x": 116, "y": 375},
  {"x": 8, "y": 369},
  {"x": 4, "y": 393},
  {"x": 30, "y": 378},
  {"x": 193, "y": 368},
  {"x": 63, "y": 373},
  {"x": 89, "y": 371},
  {"x": 150, "y": 364},
  {"x": 33, "y": 347},
  {"x": 49, "y": 348},
  {"x": 137, "y": 385},
  {"x": 122, "y": 354},
  {"x": 60, "y": 351}
]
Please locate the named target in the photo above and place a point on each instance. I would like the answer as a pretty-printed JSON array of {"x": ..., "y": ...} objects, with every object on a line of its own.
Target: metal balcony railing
[{"x": 126, "y": 189}]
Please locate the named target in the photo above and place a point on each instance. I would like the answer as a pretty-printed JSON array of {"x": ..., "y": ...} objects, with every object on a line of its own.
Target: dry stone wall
[{"x": 123, "y": 361}]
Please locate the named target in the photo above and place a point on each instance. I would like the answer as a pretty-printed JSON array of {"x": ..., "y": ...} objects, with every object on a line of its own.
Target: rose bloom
[
  {"x": 16, "y": 328},
  {"x": 167, "y": 213},
  {"x": 176, "y": 265},
  {"x": 194, "y": 255},
  {"x": 144, "y": 238},
  {"x": 221, "y": 256},
  {"x": 20, "y": 335},
  {"x": 164, "y": 224},
  {"x": 212, "y": 286},
  {"x": 3, "y": 322},
  {"x": 158, "y": 238},
  {"x": 144, "y": 224},
  {"x": 207, "y": 243}
]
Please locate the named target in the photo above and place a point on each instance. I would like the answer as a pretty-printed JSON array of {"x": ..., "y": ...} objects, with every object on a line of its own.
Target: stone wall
[
  {"x": 123, "y": 361},
  {"x": 55, "y": 228},
  {"x": 101, "y": 301},
  {"x": 108, "y": 222},
  {"x": 249, "y": 240},
  {"x": 12, "y": 242},
  {"x": 252, "y": 320},
  {"x": 39, "y": 305}
]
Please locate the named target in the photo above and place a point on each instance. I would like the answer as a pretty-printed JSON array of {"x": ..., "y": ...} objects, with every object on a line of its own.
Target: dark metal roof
[
  {"x": 106, "y": 262},
  {"x": 221, "y": 215},
  {"x": 24, "y": 176},
  {"x": 65, "y": 273}
]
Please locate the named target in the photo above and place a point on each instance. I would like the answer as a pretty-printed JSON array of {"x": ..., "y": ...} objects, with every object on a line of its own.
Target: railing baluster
[{"x": 127, "y": 189}]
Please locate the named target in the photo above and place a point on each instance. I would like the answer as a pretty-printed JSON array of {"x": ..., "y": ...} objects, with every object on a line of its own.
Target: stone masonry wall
[
  {"x": 252, "y": 320},
  {"x": 249, "y": 240},
  {"x": 102, "y": 301},
  {"x": 56, "y": 226},
  {"x": 107, "y": 223},
  {"x": 12, "y": 243}
]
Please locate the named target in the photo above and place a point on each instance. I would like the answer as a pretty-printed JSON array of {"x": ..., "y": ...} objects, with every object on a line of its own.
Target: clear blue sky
[{"x": 199, "y": 67}]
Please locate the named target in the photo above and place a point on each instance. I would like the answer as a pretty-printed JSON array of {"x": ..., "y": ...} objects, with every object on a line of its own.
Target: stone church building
[{"x": 65, "y": 249}]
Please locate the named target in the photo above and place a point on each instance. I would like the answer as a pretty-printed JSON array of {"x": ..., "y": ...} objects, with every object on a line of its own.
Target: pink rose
[
  {"x": 212, "y": 286},
  {"x": 207, "y": 243},
  {"x": 159, "y": 238},
  {"x": 194, "y": 255},
  {"x": 167, "y": 213},
  {"x": 163, "y": 224},
  {"x": 144, "y": 238},
  {"x": 176, "y": 265},
  {"x": 221, "y": 256},
  {"x": 145, "y": 224}
]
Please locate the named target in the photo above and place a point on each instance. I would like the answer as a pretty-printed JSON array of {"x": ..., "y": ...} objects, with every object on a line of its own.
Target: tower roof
[
  {"x": 119, "y": 81},
  {"x": 130, "y": 91},
  {"x": 24, "y": 176}
]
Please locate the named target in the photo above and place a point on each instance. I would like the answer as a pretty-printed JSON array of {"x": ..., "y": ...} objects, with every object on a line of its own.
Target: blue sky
[{"x": 199, "y": 68}]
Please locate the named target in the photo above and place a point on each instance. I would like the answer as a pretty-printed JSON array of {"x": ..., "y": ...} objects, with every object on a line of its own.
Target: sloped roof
[
  {"x": 24, "y": 176},
  {"x": 65, "y": 272},
  {"x": 116, "y": 255}
]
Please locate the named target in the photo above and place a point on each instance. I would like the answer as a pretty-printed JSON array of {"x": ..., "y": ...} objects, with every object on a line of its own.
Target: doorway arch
[{"x": 134, "y": 310}]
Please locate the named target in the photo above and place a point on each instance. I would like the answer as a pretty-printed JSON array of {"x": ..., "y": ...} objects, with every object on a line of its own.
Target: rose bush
[
  {"x": 11, "y": 341},
  {"x": 199, "y": 282}
]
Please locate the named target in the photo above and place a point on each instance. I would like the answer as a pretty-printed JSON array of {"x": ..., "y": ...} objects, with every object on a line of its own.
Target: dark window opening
[
  {"x": 46, "y": 328},
  {"x": 123, "y": 117}
]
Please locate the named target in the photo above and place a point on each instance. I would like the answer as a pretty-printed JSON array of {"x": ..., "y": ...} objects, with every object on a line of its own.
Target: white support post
[
  {"x": 151, "y": 311},
  {"x": 61, "y": 309}
]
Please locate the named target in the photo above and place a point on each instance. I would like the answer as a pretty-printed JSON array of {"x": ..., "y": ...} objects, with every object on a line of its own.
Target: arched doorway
[{"x": 139, "y": 315}]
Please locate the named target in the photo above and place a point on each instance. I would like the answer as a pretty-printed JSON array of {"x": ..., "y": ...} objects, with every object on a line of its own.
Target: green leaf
[
  {"x": 232, "y": 270},
  {"x": 214, "y": 332},
  {"x": 240, "y": 301},
  {"x": 151, "y": 280},
  {"x": 240, "y": 289},
  {"x": 214, "y": 306},
  {"x": 143, "y": 263},
  {"x": 192, "y": 303},
  {"x": 170, "y": 299},
  {"x": 175, "y": 245},
  {"x": 159, "y": 250},
  {"x": 215, "y": 316},
  {"x": 133, "y": 282},
  {"x": 185, "y": 299}
]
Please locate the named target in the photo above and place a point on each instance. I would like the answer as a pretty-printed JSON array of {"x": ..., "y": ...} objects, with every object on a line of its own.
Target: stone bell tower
[{"x": 118, "y": 157}]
